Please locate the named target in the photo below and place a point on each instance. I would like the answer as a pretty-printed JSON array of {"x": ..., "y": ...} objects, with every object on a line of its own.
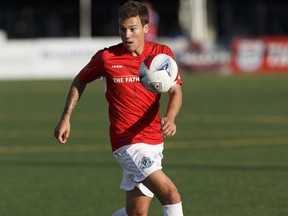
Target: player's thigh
[
  {"x": 137, "y": 203},
  {"x": 163, "y": 188}
]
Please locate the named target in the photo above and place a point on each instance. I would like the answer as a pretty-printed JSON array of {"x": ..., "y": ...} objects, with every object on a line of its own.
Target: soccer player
[{"x": 136, "y": 129}]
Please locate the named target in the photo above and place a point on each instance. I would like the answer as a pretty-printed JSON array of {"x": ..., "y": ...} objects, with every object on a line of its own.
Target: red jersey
[{"x": 133, "y": 110}]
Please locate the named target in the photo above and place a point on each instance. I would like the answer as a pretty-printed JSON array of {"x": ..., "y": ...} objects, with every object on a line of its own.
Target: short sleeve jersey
[{"x": 133, "y": 111}]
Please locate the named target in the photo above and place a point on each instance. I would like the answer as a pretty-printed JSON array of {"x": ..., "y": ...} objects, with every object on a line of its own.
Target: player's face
[{"x": 132, "y": 34}]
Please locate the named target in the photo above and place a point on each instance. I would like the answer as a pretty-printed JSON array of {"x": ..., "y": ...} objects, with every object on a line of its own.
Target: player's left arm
[{"x": 168, "y": 125}]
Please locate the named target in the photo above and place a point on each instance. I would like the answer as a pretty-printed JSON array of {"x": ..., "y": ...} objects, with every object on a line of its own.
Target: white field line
[
  {"x": 17, "y": 133},
  {"x": 229, "y": 118},
  {"x": 194, "y": 118},
  {"x": 49, "y": 117},
  {"x": 58, "y": 148},
  {"x": 190, "y": 133},
  {"x": 228, "y": 143},
  {"x": 53, "y": 148}
]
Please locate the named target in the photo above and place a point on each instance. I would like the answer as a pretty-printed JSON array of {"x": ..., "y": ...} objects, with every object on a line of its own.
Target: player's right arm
[{"x": 62, "y": 129}]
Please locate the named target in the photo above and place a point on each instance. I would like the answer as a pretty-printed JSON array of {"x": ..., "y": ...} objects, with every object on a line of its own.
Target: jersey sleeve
[{"x": 94, "y": 69}]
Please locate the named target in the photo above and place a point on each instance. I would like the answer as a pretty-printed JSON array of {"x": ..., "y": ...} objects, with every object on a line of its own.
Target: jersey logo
[{"x": 117, "y": 66}]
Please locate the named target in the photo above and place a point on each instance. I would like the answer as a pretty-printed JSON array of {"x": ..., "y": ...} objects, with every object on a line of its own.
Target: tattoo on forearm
[{"x": 74, "y": 95}]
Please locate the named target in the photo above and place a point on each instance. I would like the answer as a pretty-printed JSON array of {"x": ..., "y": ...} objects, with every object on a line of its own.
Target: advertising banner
[
  {"x": 55, "y": 58},
  {"x": 48, "y": 58},
  {"x": 259, "y": 55}
]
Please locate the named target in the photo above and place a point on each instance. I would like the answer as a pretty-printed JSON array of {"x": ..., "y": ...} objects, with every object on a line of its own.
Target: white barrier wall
[
  {"x": 54, "y": 58},
  {"x": 38, "y": 59}
]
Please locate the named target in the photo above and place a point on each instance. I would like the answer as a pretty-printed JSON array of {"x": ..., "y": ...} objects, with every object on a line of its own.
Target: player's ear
[{"x": 146, "y": 28}]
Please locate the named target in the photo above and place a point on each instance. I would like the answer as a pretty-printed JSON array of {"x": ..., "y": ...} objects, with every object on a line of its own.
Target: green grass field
[{"x": 229, "y": 157}]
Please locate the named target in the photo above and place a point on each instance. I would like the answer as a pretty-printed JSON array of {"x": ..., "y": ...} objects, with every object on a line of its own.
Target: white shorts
[{"x": 138, "y": 161}]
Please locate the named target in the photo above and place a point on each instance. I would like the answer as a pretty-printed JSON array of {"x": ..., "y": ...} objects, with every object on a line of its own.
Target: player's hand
[
  {"x": 168, "y": 127},
  {"x": 62, "y": 131}
]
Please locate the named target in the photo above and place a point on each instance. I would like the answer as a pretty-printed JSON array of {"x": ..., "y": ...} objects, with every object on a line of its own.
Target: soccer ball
[{"x": 158, "y": 73}]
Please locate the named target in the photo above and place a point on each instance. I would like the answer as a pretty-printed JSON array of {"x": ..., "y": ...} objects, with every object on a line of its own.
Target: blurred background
[
  {"x": 221, "y": 19},
  {"x": 200, "y": 32},
  {"x": 229, "y": 156}
]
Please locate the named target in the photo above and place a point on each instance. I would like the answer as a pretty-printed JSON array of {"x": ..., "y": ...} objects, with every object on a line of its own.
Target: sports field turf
[{"x": 229, "y": 157}]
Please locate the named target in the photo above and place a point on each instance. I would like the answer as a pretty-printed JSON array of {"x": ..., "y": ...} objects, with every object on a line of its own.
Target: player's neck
[{"x": 139, "y": 50}]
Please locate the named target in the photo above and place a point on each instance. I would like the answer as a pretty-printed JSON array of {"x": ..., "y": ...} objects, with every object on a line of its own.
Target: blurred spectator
[
  {"x": 24, "y": 25},
  {"x": 153, "y": 22},
  {"x": 53, "y": 26}
]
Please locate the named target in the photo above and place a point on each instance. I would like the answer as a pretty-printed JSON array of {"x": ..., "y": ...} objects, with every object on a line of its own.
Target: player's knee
[
  {"x": 136, "y": 211},
  {"x": 172, "y": 196}
]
